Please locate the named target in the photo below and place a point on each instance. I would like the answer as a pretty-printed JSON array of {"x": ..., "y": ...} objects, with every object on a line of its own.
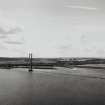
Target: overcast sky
[{"x": 52, "y": 28}]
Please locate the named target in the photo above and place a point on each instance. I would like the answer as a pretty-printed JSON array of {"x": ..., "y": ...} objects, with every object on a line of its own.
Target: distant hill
[{"x": 52, "y": 62}]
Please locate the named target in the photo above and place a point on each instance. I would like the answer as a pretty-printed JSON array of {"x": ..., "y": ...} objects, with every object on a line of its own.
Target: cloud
[
  {"x": 13, "y": 39},
  {"x": 14, "y": 42},
  {"x": 4, "y": 31},
  {"x": 65, "y": 47},
  {"x": 3, "y": 36},
  {"x": 8, "y": 26},
  {"x": 14, "y": 30},
  {"x": 81, "y": 7},
  {"x": 2, "y": 47},
  {"x": 64, "y": 50}
]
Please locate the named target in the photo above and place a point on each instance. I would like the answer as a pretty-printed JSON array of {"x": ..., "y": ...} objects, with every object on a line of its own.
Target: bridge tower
[{"x": 30, "y": 62}]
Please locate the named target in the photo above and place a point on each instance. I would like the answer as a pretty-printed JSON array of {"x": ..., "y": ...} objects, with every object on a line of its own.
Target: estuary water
[{"x": 52, "y": 87}]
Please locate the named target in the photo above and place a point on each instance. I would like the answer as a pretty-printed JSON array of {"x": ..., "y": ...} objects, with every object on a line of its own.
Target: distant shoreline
[{"x": 50, "y": 62}]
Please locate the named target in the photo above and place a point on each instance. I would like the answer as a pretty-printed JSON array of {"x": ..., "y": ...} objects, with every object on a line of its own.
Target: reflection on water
[{"x": 20, "y": 87}]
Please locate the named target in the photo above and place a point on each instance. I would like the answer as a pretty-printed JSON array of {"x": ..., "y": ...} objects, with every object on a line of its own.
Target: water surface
[{"x": 51, "y": 87}]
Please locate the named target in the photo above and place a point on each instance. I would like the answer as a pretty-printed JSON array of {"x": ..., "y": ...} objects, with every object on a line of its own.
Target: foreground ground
[{"x": 61, "y": 86}]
